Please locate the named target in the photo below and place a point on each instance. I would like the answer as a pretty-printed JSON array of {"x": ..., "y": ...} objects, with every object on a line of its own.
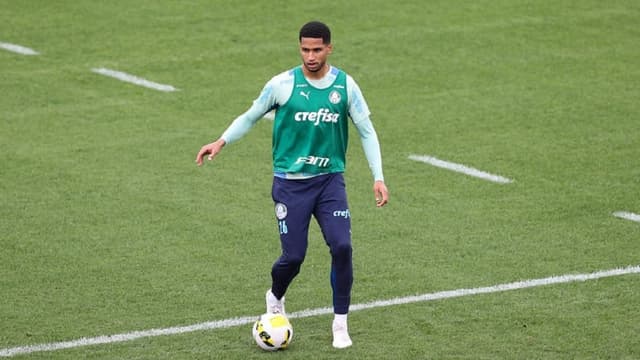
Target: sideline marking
[
  {"x": 221, "y": 324},
  {"x": 627, "y": 215},
  {"x": 18, "y": 49},
  {"x": 460, "y": 168},
  {"x": 133, "y": 79}
]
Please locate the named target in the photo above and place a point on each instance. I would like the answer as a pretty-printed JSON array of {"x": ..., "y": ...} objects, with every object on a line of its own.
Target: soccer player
[{"x": 312, "y": 103}]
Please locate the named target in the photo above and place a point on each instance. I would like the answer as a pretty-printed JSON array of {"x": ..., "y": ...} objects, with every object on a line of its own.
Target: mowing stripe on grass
[
  {"x": 221, "y": 324},
  {"x": 18, "y": 49},
  {"x": 133, "y": 79},
  {"x": 627, "y": 215},
  {"x": 460, "y": 168}
]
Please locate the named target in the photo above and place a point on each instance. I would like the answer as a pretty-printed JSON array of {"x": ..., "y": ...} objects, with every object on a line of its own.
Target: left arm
[{"x": 359, "y": 113}]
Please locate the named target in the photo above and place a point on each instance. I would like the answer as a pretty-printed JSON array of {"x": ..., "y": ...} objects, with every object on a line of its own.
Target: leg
[
  {"x": 334, "y": 218},
  {"x": 332, "y": 213},
  {"x": 293, "y": 213}
]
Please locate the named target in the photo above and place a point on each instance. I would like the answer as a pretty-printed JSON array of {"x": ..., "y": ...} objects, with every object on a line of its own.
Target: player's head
[
  {"x": 315, "y": 46},
  {"x": 316, "y": 30}
]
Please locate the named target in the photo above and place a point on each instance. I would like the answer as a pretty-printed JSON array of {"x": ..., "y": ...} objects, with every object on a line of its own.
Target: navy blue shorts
[
  {"x": 296, "y": 201},
  {"x": 323, "y": 197}
]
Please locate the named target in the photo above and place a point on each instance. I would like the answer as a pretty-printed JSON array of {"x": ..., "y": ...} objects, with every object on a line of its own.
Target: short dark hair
[{"x": 316, "y": 29}]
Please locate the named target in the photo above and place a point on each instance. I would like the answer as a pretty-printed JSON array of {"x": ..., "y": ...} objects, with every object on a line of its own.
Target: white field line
[
  {"x": 227, "y": 323},
  {"x": 18, "y": 49},
  {"x": 460, "y": 168},
  {"x": 133, "y": 79},
  {"x": 627, "y": 215}
]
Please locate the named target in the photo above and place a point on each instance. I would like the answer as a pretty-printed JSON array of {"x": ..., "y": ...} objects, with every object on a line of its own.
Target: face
[{"x": 314, "y": 53}]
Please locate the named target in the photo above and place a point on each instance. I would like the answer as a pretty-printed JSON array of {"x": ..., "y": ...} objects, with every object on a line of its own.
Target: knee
[
  {"x": 292, "y": 259},
  {"x": 341, "y": 250}
]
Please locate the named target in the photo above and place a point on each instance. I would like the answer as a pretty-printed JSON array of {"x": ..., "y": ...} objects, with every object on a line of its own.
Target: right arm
[{"x": 241, "y": 125}]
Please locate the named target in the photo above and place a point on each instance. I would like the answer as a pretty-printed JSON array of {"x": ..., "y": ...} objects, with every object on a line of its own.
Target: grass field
[{"x": 108, "y": 227}]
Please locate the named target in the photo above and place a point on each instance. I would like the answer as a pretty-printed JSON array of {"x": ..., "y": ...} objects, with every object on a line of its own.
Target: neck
[{"x": 316, "y": 75}]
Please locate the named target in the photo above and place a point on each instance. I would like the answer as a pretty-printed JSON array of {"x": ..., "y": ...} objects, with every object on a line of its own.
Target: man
[{"x": 309, "y": 143}]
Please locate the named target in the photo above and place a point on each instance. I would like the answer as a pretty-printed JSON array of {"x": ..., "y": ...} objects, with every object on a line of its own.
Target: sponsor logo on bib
[{"x": 322, "y": 115}]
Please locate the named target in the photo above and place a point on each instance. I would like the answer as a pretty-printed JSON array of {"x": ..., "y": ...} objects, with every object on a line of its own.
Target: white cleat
[
  {"x": 274, "y": 306},
  {"x": 341, "y": 338}
]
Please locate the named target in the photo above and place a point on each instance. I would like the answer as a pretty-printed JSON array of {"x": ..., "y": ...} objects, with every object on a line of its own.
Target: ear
[{"x": 329, "y": 48}]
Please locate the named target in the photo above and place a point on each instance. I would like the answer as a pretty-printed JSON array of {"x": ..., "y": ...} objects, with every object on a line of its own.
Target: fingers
[
  {"x": 203, "y": 151},
  {"x": 381, "y": 193},
  {"x": 212, "y": 149},
  {"x": 382, "y": 200},
  {"x": 207, "y": 149}
]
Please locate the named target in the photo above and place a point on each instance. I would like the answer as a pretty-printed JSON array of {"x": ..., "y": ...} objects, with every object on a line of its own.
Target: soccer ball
[{"x": 272, "y": 332}]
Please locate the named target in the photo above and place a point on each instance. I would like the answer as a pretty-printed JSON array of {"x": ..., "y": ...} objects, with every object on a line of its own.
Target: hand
[
  {"x": 381, "y": 193},
  {"x": 212, "y": 149}
]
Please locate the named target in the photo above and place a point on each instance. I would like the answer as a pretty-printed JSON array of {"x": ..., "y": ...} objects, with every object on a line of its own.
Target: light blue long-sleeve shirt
[{"x": 278, "y": 90}]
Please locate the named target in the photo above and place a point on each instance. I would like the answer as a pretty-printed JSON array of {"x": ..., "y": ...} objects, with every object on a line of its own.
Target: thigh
[
  {"x": 333, "y": 214},
  {"x": 293, "y": 208}
]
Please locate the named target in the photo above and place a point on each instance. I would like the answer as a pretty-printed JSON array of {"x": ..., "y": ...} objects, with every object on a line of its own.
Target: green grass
[{"x": 107, "y": 226}]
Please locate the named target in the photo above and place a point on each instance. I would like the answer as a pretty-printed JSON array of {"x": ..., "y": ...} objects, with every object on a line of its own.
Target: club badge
[
  {"x": 334, "y": 97},
  {"x": 281, "y": 211}
]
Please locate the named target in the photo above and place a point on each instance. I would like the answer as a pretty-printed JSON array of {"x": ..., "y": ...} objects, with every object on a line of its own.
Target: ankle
[{"x": 340, "y": 318}]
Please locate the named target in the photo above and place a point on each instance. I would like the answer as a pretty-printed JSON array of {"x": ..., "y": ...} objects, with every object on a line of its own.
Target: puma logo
[{"x": 305, "y": 95}]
